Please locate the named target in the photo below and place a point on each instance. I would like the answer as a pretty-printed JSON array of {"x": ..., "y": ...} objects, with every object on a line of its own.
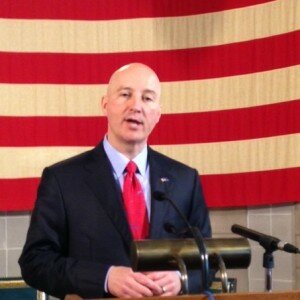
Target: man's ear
[{"x": 103, "y": 105}]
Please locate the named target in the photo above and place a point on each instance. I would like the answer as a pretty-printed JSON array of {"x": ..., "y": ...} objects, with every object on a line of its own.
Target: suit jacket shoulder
[{"x": 79, "y": 160}]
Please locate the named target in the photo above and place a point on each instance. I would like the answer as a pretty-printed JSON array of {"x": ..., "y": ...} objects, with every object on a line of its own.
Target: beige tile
[
  {"x": 2, "y": 263},
  {"x": 13, "y": 269},
  {"x": 261, "y": 223},
  {"x": 242, "y": 279},
  {"x": 284, "y": 265},
  {"x": 257, "y": 285},
  {"x": 277, "y": 285},
  {"x": 222, "y": 220},
  {"x": 17, "y": 227},
  {"x": 256, "y": 269},
  {"x": 282, "y": 285},
  {"x": 3, "y": 241},
  {"x": 297, "y": 279},
  {"x": 297, "y": 225},
  {"x": 283, "y": 227},
  {"x": 283, "y": 209},
  {"x": 297, "y": 219},
  {"x": 265, "y": 210},
  {"x": 298, "y": 256}
]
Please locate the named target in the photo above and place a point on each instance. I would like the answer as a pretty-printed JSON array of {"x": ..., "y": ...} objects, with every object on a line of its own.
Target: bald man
[{"x": 79, "y": 238}]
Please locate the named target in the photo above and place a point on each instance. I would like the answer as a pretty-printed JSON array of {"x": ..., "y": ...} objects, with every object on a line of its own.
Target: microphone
[
  {"x": 268, "y": 242},
  {"x": 160, "y": 196},
  {"x": 170, "y": 228}
]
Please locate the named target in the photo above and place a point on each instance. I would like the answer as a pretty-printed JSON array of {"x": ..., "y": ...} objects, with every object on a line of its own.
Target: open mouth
[{"x": 134, "y": 121}]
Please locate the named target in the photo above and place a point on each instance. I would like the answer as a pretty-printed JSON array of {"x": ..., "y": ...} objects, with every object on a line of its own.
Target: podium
[
  {"x": 290, "y": 295},
  {"x": 285, "y": 295}
]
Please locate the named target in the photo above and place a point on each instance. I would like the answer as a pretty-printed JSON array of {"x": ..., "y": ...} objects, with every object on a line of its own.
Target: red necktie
[{"x": 134, "y": 202}]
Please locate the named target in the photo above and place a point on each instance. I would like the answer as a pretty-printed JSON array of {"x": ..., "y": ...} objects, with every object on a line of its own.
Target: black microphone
[
  {"x": 170, "y": 228},
  {"x": 160, "y": 196},
  {"x": 268, "y": 242}
]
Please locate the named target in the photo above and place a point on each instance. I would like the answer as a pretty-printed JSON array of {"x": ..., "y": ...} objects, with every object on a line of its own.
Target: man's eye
[
  {"x": 126, "y": 95},
  {"x": 148, "y": 99}
]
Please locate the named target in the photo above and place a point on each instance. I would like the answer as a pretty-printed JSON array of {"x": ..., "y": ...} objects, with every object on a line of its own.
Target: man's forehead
[
  {"x": 129, "y": 88},
  {"x": 134, "y": 83},
  {"x": 135, "y": 76}
]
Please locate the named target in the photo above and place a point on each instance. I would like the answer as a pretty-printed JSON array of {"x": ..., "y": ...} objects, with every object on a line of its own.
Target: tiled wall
[
  {"x": 13, "y": 229},
  {"x": 279, "y": 222},
  {"x": 283, "y": 222}
]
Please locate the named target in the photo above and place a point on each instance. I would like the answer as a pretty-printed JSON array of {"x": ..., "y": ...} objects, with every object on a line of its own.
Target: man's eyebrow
[
  {"x": 151, "y": 92},
  {"x": 127, "y": 88},
  {"x": 124, "y": 88}
]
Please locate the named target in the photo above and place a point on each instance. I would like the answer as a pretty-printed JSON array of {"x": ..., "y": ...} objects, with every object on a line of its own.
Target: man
[{"x": 80, "y": 232}]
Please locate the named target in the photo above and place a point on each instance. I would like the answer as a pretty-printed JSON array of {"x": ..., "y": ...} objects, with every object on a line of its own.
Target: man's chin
[{"x": 136, "y": 140}]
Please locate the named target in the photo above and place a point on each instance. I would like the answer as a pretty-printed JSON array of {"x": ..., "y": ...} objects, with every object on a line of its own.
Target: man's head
[{"x": 132, "y": 106}]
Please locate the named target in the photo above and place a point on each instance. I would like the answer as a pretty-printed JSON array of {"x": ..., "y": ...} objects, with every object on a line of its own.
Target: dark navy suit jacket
[{"x": 79, "y": 228}]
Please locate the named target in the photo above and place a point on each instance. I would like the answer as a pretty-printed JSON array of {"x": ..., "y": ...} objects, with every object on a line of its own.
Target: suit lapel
[
  {"x": 103, "y": 184},
  {"x": 161, "y": 180},
  {"x": 101, "y": 181}
]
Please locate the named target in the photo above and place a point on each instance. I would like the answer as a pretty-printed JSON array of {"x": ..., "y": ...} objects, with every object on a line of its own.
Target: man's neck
[{"x": 130, "y": 150}]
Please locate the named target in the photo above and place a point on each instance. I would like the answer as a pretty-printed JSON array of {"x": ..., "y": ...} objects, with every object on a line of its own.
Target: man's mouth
[{"x": 134, "y": 121}]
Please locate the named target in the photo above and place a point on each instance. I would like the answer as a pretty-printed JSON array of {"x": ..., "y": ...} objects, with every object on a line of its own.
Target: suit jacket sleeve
[
  {"x": 44, "y": 263},
  {"x": 199, "y": 215}
]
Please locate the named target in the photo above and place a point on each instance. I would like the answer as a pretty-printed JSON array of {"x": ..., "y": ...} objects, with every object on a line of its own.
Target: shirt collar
[{"x": 119, "y": 161}]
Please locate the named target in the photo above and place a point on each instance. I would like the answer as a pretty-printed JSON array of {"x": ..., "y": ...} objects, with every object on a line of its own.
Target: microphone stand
[
  {"x": 196, "y": 234},
  {"x": 268, "y": 262},
  {"x": 270, "y": 244}
]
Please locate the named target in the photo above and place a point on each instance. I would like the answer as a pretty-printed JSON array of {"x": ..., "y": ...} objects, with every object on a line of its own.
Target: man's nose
[{"x": 135, "y": 102}]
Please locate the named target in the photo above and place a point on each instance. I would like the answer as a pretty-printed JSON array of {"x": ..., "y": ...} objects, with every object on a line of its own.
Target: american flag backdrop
[{"x": 231, "y": 89}]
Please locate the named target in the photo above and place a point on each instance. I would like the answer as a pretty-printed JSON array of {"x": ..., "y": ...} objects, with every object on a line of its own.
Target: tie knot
[{"x": 131, "y": 167}]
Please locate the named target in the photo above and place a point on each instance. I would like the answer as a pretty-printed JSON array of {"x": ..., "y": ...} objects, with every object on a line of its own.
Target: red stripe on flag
[
  {"x": 173, "y": 65},
  {"x": 228, "y": 190},
  {"x": 251, "y": 189},
  {"x": 114, "y": 9},
  {"x": 227, "y": 125},
  {"x": 18, "y": 194}
]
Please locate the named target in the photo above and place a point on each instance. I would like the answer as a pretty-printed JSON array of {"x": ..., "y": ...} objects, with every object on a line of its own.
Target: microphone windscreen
[{"x": 170, "y": 228}]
